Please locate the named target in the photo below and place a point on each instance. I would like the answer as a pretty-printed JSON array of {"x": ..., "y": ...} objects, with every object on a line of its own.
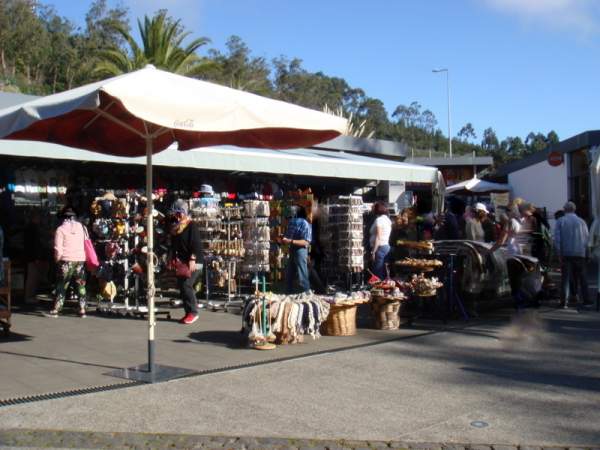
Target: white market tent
[
  {"x": 302, "y": 162},
  {"x": 476, "y": 186}
]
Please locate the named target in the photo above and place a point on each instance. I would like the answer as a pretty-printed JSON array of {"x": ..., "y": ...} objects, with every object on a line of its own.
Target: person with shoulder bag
[
  {"x": 70, "y": 257},
  {"x": 187, "y": 253}
]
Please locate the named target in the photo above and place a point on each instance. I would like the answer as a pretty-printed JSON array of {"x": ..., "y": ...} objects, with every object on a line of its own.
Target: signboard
[{"x": 555, "y": 159}]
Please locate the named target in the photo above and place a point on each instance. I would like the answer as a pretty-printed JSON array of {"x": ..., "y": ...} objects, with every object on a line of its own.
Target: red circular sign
[{"x": 555, "y": 158}]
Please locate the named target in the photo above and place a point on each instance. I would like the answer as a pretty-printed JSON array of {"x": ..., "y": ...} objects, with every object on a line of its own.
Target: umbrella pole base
[{"x": 160, "y": 373}]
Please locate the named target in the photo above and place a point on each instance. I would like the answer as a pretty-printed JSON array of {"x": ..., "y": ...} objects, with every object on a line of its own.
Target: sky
[{"x": 515, "y": 65}]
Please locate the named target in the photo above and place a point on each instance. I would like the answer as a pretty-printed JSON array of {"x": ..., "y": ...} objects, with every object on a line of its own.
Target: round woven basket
[
  {"x": 430, "y": 293},
  {"x": 341, "y": 321},
  {"x": 385, "y": 313}
]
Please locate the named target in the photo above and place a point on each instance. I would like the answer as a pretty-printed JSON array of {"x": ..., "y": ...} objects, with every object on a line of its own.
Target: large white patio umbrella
[
  {"x": 143, "y": 112},
  {"x": 476, "y": 186}
]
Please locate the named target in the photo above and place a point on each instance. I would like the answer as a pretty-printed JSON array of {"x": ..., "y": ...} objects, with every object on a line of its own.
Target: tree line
[{"x": 42, "y": 53}]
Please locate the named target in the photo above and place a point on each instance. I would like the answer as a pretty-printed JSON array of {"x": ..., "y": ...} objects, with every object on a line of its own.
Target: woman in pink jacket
[{"x": 69, "y": 255}]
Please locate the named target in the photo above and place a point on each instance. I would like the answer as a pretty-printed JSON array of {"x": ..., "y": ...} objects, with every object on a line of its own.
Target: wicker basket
[
  {"x": 341, "y": 321},
  {"x": 430, "y": 293},
  {"x": 385, "y": 313}
]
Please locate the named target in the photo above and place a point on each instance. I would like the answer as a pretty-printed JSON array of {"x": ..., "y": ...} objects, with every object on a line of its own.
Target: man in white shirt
[{"x": 571, "y": 236}]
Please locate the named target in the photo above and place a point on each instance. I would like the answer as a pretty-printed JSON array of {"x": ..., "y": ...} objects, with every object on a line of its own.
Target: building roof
[
  {"x": 580, "y": 141},
  {"x": 301, "y": 161},
  {"x": 462, "y": 160},
  {"x": 371, "y": 147},
  {"x": 8, "y": 99}
]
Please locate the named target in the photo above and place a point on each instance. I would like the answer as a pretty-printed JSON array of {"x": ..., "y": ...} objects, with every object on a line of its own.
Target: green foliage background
[{"x": 43, "y": 53}]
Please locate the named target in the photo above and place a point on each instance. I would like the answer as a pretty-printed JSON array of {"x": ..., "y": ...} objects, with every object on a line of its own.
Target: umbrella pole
[{"x": 150, "y": 237}]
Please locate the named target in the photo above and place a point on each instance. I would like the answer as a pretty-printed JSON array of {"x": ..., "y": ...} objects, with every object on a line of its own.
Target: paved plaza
[{"x": 529, "y": 380}]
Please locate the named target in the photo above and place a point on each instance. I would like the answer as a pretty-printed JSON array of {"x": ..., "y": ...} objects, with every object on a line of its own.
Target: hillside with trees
[{"x": 42, "y": 53}]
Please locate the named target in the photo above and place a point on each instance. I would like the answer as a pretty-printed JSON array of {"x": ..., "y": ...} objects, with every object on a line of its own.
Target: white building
[{"x": 550, "y": 186}]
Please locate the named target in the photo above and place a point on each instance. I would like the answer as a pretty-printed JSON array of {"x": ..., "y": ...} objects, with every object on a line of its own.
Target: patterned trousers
[{"x": 69, "y": 271}]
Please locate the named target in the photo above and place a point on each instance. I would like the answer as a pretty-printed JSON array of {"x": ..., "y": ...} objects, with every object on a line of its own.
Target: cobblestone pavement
[{"x": 20, "y": 439}]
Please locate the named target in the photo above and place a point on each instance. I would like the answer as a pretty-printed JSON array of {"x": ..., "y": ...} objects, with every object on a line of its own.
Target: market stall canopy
[
  {"x": 476, "y": 186},
  {"x": 144, "y": 112},
  {"x": 309, "y": 162},
  {"x": 116, "y": 116}
]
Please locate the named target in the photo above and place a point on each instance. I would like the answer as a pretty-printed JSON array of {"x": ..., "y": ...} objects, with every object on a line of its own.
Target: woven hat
[
  {"x": 206, "y": 189},
  {"x": 179, "y": 206}
]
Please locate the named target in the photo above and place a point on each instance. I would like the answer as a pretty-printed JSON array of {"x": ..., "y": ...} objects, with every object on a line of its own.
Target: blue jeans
[
  {"x": 297, "y": 266},
  {"x": 574, "y": 274},
  {"x": 378, "y": 267}
]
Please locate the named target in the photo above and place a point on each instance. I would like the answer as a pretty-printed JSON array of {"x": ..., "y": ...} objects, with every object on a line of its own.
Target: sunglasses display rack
[
  {"x": 256, "y": 234},
  {"x": 118, "y": 233},
  {"x": 226, "y": 254},
  {"x": 342, "y": 235}
]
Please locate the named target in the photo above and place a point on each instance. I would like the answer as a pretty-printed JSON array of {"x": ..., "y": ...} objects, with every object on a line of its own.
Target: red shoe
[{"x": 189, "y": 319}]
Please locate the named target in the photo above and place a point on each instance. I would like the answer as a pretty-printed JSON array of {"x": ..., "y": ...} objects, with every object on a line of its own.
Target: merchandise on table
[
  {"x": 420, "y": 263},
  {"x": 417, "y": 245},
  {"x": 425, "y": 287}
]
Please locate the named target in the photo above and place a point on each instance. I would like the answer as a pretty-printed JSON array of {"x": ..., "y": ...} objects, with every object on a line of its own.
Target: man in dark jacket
[{"x": 187, "y": 252}]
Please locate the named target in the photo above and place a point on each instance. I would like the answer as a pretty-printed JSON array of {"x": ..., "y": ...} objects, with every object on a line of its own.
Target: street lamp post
[{"x": 448, "y": 94}]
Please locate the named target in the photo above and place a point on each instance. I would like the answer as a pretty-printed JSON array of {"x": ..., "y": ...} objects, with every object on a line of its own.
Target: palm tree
[
  {"x": 162, "y": 40},
  {"x": 355, "y": 128}
]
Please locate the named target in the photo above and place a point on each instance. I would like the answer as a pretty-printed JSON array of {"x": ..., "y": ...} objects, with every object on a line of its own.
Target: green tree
[
  {"x": 23, "y": 43},
  {"x": 467, "y": 132},
  {"x": 292, "y": 83},
  {"x": 239, "y": 70},
  {"x": 552, "y": 138},
  {"x": 490, "y": 142},
  {"x": 161, "y": 45},
  {"x": 513, "y": 147}
]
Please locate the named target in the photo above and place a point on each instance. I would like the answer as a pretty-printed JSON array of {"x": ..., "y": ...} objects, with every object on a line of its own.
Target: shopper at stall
[
  {"x": 69, "y": 255},
  {"x": 489, "y": 227},
  {"x": 474, "y": 227},
  {"x": 379, "y": 239},
  {"x": 187, "y": 254},
  {"x": 570, "y": 242},
  {"x": 528, "y": 226},
  {"x": 298, "y": 236}
]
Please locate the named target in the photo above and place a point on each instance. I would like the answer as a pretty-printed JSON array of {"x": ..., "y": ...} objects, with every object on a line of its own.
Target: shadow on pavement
[
  {"x": 48, "y": 358},
  {"x": 229, "y": 339},
  {"x": 15, "y": 337}
]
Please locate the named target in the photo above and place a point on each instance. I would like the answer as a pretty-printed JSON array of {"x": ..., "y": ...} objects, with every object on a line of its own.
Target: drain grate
[
  {"x": 64, "y": 394},
  {"x": 112, "y": 387}
]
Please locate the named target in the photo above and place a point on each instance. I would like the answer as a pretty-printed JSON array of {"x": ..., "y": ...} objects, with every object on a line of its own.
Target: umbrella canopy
[
  {"x": 117, "y": 116},
  {"x": 143, "y": 112},
  {"x": 476, "y": 186}
]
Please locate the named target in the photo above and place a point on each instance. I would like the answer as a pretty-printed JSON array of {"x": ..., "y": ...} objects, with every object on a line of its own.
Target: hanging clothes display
[{"x": 289, "y": 317}]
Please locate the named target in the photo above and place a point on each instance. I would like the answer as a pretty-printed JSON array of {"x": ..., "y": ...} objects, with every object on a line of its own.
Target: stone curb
[{"x": 16, "y": 438}]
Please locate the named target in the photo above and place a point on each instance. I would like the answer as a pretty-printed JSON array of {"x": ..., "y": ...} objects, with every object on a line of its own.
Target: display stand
[
  {"x": 122, "y": 249},
  {"x": 452, "y": 295},
  {"x": 342, "y": 236},
  {"x": 230, "y": 250},
  {"x": 6, "y": 300}
]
